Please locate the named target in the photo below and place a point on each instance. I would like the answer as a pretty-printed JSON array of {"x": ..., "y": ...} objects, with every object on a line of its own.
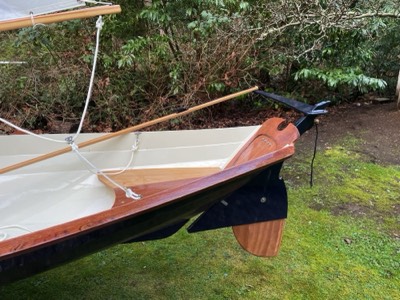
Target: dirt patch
[
  {"x": 377, "y": 125},
  {"x": 353, "y": 209}
]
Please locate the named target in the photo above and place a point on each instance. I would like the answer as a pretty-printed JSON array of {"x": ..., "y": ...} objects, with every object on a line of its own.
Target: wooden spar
[
  {"x": 124, "y": 131},
  {"x": 59, "y": 17}
]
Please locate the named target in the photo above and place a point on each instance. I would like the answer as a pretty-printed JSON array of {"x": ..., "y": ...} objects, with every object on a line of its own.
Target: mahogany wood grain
[
  {"x": 267, "y": 139},
  {"x": 263, "y": 238},
  {"x": 136, "y": 177},
  {"x": 59, "y": 17}
]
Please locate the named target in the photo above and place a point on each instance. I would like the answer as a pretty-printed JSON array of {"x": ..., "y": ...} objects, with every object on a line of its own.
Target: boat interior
[{"x": 65, "y": 188}]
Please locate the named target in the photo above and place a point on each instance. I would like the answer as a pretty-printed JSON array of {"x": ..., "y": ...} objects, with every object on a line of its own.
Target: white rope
[
  {"x": 30, "y": 132},
  {"x": 99, "y": 26},
  {"x": 134, "y": 148},
  {"x": 34, "y": 24},
  {"x": 3, "y": 235},
  {"x": 127, "y": 165},
  {"x": 4, "y": 62},
  {"x": 96, "y": 2},
  {"x": 32, "y": 19},
  {"x": 93, "y": 169}
]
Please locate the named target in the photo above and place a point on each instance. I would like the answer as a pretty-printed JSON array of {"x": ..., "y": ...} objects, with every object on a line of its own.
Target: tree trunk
[{"x": 398, "y": 92}]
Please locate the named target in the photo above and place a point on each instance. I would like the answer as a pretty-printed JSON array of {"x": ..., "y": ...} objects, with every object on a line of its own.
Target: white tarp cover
[{"x": 12, "y": 9}]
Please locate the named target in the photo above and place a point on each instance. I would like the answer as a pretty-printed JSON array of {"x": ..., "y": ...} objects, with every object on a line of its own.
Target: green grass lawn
[{"x": 341, "y": 242}]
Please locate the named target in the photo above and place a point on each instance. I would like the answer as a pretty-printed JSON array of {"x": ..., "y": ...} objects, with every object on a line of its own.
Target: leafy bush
[
  {"x": 335, "y": 78},
  {"x": 158, "y": 55}
]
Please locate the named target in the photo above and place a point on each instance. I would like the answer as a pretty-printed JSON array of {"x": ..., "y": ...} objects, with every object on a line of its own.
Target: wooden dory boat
[
  {"x": 59, "y": 204},
  {"x": 55, "y": 210}
]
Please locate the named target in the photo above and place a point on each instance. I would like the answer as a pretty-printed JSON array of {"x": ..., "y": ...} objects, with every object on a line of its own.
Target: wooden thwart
[
  {"x": 135, "y": 177},
  {"x": 148, "y": 182},
  {"x": 59, "y": 17}
]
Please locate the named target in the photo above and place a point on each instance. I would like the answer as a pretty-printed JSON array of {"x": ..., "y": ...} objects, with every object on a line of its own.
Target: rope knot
[
  {"x": 70, "y": 141},
  {"x": 130, "y": 194}
]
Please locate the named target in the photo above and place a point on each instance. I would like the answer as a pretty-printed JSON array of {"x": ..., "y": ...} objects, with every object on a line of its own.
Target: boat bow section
[{"x": 256, "y": 210}]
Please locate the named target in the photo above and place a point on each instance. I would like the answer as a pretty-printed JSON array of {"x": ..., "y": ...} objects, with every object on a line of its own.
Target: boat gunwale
[{"x": 53, "y": 235}]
